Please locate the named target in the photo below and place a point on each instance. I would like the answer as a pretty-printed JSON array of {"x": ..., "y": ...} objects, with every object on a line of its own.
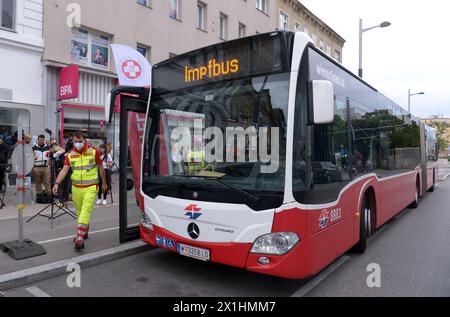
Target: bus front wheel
[{"x": 365, "y": 224}]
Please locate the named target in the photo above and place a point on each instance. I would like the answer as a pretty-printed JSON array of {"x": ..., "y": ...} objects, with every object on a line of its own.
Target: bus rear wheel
[
  {"x": 434, "y": 182},
  {"x": 365, "y": 225},
  {"x": 415, "y": 203}
]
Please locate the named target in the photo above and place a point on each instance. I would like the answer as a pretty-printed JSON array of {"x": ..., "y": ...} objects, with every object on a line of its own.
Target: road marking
[
  {"x": 319, "y": 278},
  {"x": 37, "y": 292},
  {"x": 73, "y": 236}
]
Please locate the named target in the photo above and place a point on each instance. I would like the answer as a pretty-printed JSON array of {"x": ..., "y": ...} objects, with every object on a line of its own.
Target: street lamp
[
  {"x": 361, "y": 32},
  {"x": 411, "y": 95}
]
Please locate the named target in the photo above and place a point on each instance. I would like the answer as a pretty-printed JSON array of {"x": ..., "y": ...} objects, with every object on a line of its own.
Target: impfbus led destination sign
[{"x": 264, "y": 54}]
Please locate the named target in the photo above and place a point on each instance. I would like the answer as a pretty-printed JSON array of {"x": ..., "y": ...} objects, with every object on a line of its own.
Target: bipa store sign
[{"x": 68, "y": 82}]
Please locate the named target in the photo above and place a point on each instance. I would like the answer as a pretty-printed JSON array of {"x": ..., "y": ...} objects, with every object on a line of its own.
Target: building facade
[
  {"x": 294, "y": 16},
  {"x": 80, "y": 32},
  {"x": 158, "y": 29},
  {"x": 21, "y": 47}
]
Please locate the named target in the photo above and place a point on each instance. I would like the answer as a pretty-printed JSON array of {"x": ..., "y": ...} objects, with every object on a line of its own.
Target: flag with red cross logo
[{"x": 132, "y": 67}]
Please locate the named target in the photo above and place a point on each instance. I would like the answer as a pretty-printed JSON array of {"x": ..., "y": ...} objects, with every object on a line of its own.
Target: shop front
[
  {"x": 91, "y": 121},
  {"x": 82, "y": 94}
]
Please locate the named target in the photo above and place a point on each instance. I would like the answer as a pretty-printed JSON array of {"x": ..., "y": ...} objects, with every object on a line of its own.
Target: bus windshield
[{"x": 219, "y": 142}]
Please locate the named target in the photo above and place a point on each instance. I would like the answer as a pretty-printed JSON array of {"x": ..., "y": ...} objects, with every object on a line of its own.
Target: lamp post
[
  {"x": 411, "y": 95},
  {"x": 362, "y": 30}
]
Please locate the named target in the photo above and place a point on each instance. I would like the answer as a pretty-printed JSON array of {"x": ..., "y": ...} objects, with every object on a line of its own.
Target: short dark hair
[
  {"x": 79, "y": 134},
  {"x": 41, "y": 136}
]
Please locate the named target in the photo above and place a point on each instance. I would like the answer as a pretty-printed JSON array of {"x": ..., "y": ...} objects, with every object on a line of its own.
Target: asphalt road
[{"x": 412, "y": 252}]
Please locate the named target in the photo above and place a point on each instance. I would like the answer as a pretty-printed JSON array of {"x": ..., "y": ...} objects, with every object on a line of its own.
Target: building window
[
  {"x": 297, "y": 26},
  {"x": 144, "y": 50},
  {"x": 147, "y": 3},
  {"x": 175, "y": 9},
  {"x": 322, "y": 45},
  {"x": 261, "y": 5},
  {"x": 201, "y": 15},
  {"x": 314, "y": 38},
  {"x": 242, "y": 30},
  {"x": 90, "y": 48},
  {"x": 223, "y": 26},
  {"x": 306, "y": 30},
  {"x": 337, "y": 56},
  {"x": 7, "y": 18},
  {"x": 284, "y": 21}
]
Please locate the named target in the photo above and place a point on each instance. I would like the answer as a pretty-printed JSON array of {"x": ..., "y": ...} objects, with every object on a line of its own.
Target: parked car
[{"x": 326, "y": 172}]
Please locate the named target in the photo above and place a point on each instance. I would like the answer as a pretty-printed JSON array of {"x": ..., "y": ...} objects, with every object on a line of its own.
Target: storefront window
[
  {"x": 90, "y": 120},
  {"x": 11, "y": 122}
]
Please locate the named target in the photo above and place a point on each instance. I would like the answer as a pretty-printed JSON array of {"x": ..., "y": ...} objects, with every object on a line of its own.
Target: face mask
[{"x": 79, "y": 146}]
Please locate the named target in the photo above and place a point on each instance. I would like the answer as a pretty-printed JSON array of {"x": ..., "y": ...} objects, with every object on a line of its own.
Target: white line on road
[
  {"x": 319, "y": 278},
  {"x": 73, "y": 236},
  {"x": 37, "y": 292}
]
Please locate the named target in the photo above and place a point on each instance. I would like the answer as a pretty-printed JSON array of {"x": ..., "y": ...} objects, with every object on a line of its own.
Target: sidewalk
[
  {"x": 10, "y": 211},
  {"x": 104, "y": 232}
]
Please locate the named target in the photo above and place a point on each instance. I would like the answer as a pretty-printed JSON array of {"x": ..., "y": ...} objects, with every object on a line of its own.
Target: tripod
[{"x": 61, "y": 209}]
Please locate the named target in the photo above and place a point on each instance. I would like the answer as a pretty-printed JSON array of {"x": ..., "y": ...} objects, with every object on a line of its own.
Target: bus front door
[{"x": 133, "y": 107}]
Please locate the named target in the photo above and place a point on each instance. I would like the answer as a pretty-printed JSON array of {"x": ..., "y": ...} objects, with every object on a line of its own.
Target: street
[{"x": 411, "y": 250}]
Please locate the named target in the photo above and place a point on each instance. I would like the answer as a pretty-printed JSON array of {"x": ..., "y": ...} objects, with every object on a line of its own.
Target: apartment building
[
  {"x": 158, "y": 29},
  {"x": 21, "y": 47},
  {"x": 294, "y": 16},
  {"x": 80, "y": 33}
]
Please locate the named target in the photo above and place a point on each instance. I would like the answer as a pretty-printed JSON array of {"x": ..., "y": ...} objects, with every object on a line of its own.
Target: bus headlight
[
  {"x": 275, "y": 243},
  {"x": 146, "y": 222}
]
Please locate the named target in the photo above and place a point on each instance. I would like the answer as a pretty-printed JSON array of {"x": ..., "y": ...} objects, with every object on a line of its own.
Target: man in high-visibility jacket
[
  {"x": 86, "y": 165},
  {"x": 196, "y": 162}
]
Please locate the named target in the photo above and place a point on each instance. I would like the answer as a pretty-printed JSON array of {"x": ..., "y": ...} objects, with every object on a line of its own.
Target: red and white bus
[{"x": 349, "y": 159}]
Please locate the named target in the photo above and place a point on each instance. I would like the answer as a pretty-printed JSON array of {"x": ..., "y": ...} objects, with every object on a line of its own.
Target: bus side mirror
[{"x": 322, "y": 101}]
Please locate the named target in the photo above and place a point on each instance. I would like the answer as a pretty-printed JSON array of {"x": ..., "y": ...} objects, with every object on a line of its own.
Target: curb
[{"x": 46, "y": 271}]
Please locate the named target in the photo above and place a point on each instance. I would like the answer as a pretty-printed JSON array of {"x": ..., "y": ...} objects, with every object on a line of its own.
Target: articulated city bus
[{"x": 307, "y": 160}]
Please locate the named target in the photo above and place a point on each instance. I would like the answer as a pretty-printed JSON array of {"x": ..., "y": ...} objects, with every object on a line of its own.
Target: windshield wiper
[
  {"x": 159, "y": 187},
  {"x": 242, "y": 192}
]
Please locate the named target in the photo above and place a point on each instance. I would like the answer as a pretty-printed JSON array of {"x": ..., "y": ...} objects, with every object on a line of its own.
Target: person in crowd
[
  {"x": 28, "y": 139},
  {"x": 4, "y": 156},
  {"x": 107, "y": 160},
  {"x": 41, "y": 173},
  {"x": 86, "y": 166}
]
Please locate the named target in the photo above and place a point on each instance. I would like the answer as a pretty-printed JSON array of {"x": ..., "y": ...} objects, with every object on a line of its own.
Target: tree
[{"x": 442, "y": 129}]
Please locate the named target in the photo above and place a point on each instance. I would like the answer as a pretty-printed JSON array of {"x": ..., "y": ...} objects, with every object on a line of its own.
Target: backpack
[{"x": 44, "y": 199}]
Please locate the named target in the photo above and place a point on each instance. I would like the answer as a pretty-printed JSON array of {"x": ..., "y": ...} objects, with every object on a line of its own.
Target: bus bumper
[{"x": 290, "y": 266}]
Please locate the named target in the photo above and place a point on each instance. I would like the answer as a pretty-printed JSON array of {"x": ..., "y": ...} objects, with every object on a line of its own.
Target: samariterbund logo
[
  {"x": 214, "y": 69},
  {"x": 131, "y": 69}
]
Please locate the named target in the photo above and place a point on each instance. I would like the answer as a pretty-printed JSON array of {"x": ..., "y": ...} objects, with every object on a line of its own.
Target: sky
[{"x": 413, "y": 53}]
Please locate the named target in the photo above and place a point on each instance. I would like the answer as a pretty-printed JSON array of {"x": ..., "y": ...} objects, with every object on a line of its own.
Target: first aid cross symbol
[{"x": 131, "y": 69}]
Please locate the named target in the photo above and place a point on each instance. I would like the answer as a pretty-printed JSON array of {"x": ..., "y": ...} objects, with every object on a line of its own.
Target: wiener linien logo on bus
[{"x": 213, "y": 69}]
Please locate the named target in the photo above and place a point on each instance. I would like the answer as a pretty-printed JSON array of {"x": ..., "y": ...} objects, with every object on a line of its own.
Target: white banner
[{"x": 133, "y": 68}]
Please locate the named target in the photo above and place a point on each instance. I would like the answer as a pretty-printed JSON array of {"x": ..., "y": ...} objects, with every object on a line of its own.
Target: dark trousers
[
  {"x": 2, "y": 178},
  {"x": 108, "y": 182}
]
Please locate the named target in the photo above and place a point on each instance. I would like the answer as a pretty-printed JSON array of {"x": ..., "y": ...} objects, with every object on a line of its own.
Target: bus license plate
[{"x": 194, "y": 252}]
